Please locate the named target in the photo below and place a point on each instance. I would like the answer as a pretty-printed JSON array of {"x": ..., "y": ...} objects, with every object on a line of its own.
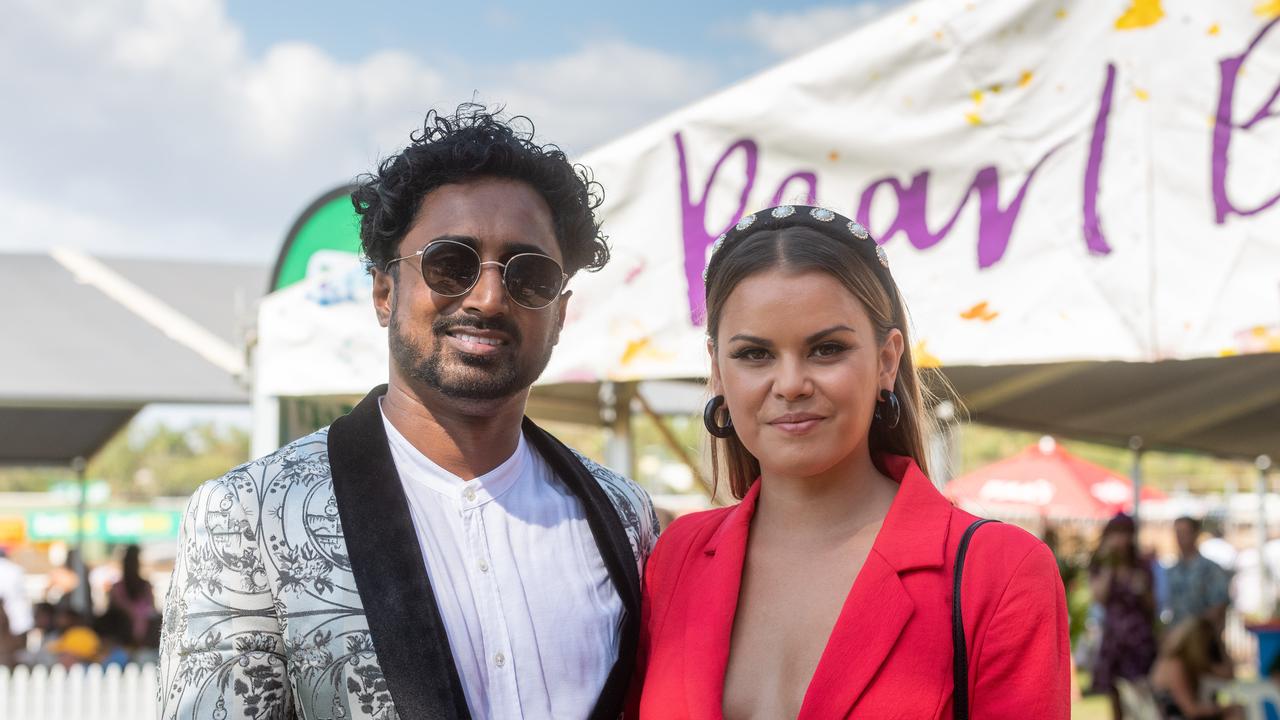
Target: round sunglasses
[{"x": 452, "y": 269}]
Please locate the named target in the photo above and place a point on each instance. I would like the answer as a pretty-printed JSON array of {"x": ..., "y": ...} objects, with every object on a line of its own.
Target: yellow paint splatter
[
  {"x": 833, "y": 156},
  {"x": 939, "y": 36},
  {"x": 997, "y": 88},
  {"x": 1061, "y": 14},
  {"x": 635, "y": 349},
  {"x": 1267, "y": 9},
  {"x": 981, "y": 311},
  {"x": 913, "y": 19},
  {"x": 1215, "y": 29},
  {"x": 1025, "y": 79},
  {"x": 921, "y": 356},
  {"x": 973, "y": 118},
  {"x": 977, "y": 97},
  {"x": 1141, "y": 14},
  {"x": 1141, "y": 94},
  {"x": 1228, "y": 352}
]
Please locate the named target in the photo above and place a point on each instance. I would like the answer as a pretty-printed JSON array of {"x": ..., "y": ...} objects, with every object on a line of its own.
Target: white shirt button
[
  {"x": 500, "y": 660},
  {"x": 470, "y": 494},
  {"x": 484, "y": 565}
]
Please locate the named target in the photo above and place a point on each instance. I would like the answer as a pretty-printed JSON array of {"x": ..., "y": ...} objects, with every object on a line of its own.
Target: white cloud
[
  {"x": 787, "y": 34},
  {"x": 146, "y": 127}
]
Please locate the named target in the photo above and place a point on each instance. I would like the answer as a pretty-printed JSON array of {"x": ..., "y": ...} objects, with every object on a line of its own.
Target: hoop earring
[
  {"x": 709, "y": 418},
  {"x": 888, "y": 411}
]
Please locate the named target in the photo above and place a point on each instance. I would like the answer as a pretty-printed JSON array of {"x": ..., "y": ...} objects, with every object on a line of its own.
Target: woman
[
  {"x": 826, "y": 592},
  {"x": 1187, "y": 657},
  {"x": 1122, "y": 584},
  {"x": 133, "y": 597}
]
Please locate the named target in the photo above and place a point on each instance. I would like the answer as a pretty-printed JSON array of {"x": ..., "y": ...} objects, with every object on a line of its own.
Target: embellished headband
[{"x": 828, "y": 222}]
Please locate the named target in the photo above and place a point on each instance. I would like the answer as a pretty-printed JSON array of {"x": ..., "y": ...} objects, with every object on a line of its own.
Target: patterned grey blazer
[{"x": 300, "y": 589}]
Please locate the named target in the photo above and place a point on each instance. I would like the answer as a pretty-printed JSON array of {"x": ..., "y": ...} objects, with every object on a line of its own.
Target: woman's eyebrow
[
  {"x": 834, "y": 328},
  {"x": 751, "y": 339}
]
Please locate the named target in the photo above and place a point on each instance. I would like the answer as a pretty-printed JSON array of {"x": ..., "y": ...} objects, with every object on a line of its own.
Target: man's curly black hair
[{"x": 476, "y": 143}]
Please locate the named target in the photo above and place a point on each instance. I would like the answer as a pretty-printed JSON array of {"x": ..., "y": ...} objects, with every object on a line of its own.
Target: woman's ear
[
  {"x": 716, "y": 387},
  {"x": 890, "y": 356}
]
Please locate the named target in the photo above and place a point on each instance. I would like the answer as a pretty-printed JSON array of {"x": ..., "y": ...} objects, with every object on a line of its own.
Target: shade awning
[{"x": 90, "y": 341}]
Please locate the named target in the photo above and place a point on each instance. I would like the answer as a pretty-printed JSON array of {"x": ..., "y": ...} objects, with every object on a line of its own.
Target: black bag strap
[{"x": 960, "y": 655}]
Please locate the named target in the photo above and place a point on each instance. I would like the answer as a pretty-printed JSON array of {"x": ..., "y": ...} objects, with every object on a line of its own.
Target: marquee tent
[
  {"x": 1046, "y": 481},
  {"x": 89, "y": 341},
  {"x": 1079, "y": 201}
]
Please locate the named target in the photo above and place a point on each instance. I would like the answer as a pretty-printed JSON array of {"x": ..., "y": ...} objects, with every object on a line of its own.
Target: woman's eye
[
  {"x": 755, "y": 354},
  {"x": 828, "y": 350}
]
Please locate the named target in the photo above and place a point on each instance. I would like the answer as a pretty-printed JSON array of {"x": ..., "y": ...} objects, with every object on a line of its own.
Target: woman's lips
[{"x": 797, "y": 424}]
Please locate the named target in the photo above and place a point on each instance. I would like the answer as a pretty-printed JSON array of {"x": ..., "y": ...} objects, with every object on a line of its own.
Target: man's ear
[
  {"x": 383, "y": 295},
  {"x": 560, "y": 315}
]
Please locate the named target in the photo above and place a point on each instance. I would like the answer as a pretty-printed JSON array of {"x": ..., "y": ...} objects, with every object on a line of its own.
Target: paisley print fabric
[{"x": 263, "y": 618}]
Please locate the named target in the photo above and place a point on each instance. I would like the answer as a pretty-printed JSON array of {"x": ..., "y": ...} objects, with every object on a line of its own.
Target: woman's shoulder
[
  {"x": 1001, "y": 550},
  {"x": 694, "y": 528}
]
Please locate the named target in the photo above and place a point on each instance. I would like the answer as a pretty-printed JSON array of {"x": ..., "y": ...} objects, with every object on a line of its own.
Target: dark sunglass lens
[
  {"x": 533, "y": 280},
  {"x": 450, "y": 269}
]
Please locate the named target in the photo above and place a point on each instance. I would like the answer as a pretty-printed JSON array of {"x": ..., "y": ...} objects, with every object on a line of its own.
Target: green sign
[
  {"x": 329, "y": 223},
  {"x": 107, "y": 525}
]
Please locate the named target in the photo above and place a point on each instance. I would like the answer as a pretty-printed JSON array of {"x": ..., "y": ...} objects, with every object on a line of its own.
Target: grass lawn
[{"x": 1092, "y": 707}]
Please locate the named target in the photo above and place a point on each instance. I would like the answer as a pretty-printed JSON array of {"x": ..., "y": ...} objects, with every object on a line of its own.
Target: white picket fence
[{"x": 82, "y": 692}]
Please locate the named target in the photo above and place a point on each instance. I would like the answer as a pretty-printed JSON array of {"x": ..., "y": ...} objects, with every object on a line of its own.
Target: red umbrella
[{"x": 1046, "y": 480}]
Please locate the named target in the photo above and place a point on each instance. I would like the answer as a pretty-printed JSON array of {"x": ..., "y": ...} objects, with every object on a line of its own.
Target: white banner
[
  {"x": 1090, "y": 180},
  {"x": 1080, "y": 180}
]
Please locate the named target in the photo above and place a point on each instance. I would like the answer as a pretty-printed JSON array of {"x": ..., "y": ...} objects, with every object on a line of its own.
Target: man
[
  {"x": 1198, "y": 587},
  {"x": 432, "y": 554}
]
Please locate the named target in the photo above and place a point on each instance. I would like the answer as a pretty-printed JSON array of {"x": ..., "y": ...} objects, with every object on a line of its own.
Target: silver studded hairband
[{"x": 828, "y": 222}]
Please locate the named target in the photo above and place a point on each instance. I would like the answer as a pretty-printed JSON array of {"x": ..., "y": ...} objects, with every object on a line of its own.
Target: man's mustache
[{"x": 444, "y": 325}]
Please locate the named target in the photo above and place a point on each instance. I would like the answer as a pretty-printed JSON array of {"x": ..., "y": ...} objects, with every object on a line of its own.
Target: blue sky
[
  {"x": 493, "y": 33},
  {"x": 200, "y": 128}
]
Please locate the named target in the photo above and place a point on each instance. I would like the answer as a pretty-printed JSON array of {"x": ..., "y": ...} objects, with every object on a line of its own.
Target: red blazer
[{"x": 889, "y": 655}]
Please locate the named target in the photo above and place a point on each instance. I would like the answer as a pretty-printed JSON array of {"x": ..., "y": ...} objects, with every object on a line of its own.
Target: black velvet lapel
[
  {"x": 615, "y": 549},
  {"x": 408, "y": 632}
]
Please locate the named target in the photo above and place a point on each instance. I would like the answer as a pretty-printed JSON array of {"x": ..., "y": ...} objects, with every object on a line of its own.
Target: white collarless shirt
[{"x": 533, "y": 619}]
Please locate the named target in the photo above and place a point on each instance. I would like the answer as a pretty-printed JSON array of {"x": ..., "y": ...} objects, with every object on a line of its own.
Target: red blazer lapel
[
  {"x": 913, "y": 537},
  {"x": 870, "y": 622},
  {"x": 710, "y": 624}
]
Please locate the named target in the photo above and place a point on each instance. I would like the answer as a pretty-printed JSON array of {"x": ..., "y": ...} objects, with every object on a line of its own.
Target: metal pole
[
  {"x": 1135, "y": 444},
  {"x": 81, "y": 598},
  {"x": 1263, "y": 464},
  {"x": 673, "y": 443},
  {"x": 615, "y": 414}
]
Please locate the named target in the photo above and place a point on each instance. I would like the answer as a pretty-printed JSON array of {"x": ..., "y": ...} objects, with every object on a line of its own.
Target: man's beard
[{"x": 467, "y": 376}]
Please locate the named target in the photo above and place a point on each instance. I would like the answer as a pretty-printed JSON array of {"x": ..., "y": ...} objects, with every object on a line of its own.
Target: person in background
[
  {"x": 1187, "y": 657},
  {"x": 75, "y": 641},
  {"x": 1217, "y": 548},
  {"x": 14, "y": 603},
  {"x": 1122, "y": 585},
  {"x": 134, "y": 597},
  {"x": 115, "y": 630},
  {"x": 1198, "y": 587},
  {"x": 63, "y": 582}
]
